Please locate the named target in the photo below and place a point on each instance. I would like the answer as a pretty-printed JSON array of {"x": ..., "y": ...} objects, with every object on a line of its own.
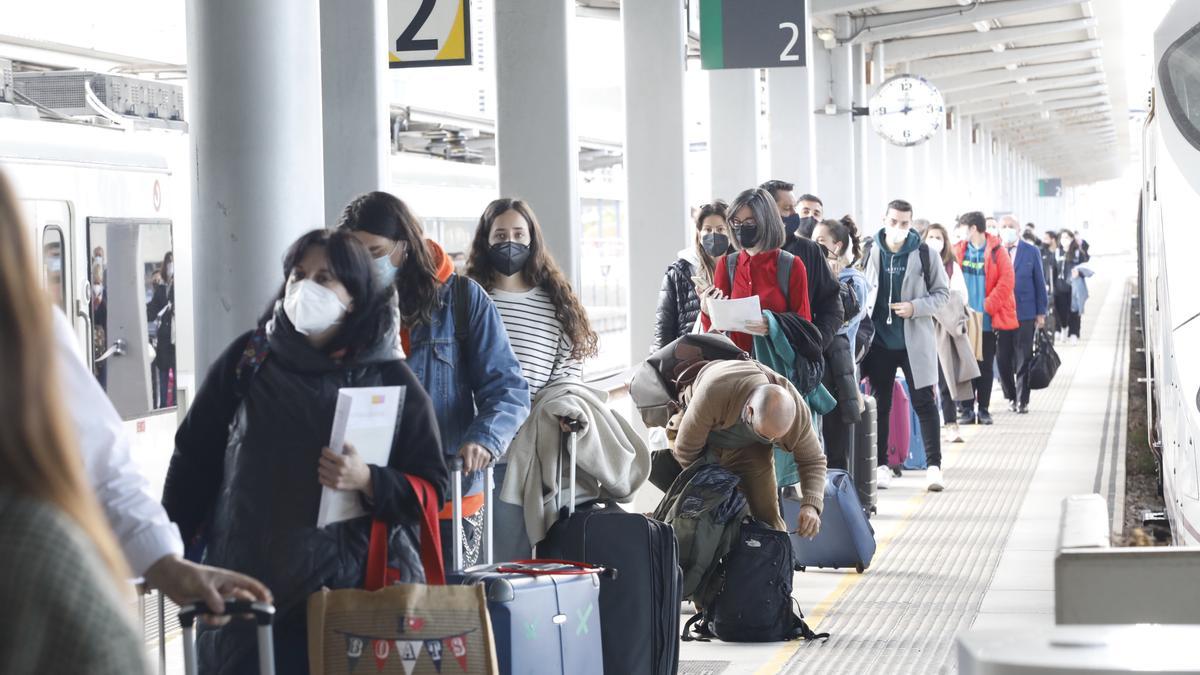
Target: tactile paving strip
[
  {"x": 928, "y": 585},
  {"x": 702, "y": 667}
]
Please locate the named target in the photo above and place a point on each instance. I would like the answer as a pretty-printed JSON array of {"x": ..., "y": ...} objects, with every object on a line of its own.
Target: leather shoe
[
  {"x": 1022, "y": 409},
  {"x": 966, "y": 417},
  {"x": 1012, "y": 405},
  {"x": 985, "y": 417}
]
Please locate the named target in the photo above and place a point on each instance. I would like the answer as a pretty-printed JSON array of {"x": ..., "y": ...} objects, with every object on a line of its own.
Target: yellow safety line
[{"x": 789, "y": 649}]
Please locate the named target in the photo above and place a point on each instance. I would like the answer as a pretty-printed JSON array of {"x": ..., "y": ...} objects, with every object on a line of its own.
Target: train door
[{"x": 131, "y": 313}]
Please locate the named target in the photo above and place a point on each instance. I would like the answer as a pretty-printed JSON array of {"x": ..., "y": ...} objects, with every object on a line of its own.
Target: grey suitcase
[
  {"x": 264, "y": 616},
  {"x": 865, "y": 456}
]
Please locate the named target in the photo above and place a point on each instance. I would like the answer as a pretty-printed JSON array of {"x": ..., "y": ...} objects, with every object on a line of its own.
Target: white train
[{"x": 1169, "y": 277}]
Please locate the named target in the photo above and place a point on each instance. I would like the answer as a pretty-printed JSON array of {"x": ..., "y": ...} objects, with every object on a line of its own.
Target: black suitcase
[
  {"x": 639, "y": 605},
  {"x": 865, "y": 456}
]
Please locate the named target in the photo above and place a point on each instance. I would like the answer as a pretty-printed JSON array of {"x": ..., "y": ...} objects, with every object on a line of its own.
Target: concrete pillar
[
  {"x": 733, "y": 98},
  {"x": 877, "y": 151},
  {"x": 864, "y": 180},
  {"x": 655, "y": 153},
  {"x": 355, "y": 100},
  {"x": 257, "y": 178},
  {"x": 790, "y": 104},
  {"x": 836, "y": 147},
  {"x": 537, "y": 149}
]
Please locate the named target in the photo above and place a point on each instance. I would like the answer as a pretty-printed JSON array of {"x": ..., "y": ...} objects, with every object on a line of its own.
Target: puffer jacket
[
  {"x": 244, "y": 474},
  {"x": 1000, "y": 303},
  {"x": 678, "y": 304}
]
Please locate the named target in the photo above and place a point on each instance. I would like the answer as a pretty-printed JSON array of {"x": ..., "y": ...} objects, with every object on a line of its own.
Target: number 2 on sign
[
  {"x": 786, "y": 54},
  {"x": 407, "y": 41}
]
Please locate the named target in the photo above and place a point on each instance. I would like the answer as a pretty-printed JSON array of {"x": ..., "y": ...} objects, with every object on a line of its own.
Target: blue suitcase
[
  {"x": 916, "y": 445},
  {"x": 846, "y": 538}
]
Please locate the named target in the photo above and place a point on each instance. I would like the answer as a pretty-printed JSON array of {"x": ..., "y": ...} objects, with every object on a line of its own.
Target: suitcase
[
  {"x": 545, "y": 614},
  {"x": 639, "y": 606},
  {"x": 846, "y": 538},
  {"x": 916, "y": 441},
  {"x": 899, "y": 426},
  {"x": 264, "y": 616},
  {"x": 865, "y": 460}
]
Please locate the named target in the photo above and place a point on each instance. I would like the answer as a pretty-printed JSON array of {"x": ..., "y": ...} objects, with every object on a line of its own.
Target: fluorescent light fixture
[
  {"x": 831, "y": 108},
  {"x": 998, "y": 47},
  {"x": 964, "y": 3},
  {"x": 1011, "y": 66},
  {"x": 825, "y": 34},
  {"x": 1022, "y": 80},
  {"x": 982, "y": 26}
]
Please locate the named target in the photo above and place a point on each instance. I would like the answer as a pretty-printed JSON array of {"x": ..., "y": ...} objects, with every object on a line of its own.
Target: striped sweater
[{"x": 537, "y": 337}]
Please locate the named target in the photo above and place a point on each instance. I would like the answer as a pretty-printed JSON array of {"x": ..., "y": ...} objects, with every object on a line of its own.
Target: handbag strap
[{"x": 378, "y": 573}]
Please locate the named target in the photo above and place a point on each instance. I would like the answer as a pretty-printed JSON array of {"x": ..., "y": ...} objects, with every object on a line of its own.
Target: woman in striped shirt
[{"x": 547, "y": 325}]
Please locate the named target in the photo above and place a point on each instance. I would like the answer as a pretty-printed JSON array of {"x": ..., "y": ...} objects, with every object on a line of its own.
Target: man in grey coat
[{"x": 908, "y": 286}]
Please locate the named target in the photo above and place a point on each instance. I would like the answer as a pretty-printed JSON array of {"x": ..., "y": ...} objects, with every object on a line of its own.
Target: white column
[
  {"x": 257, "y": 177},
  {"x": 733, "y": 131},
  {"x": 864, "y": 180},
  {"x": 836, "y": 148},
  {"x": 790, "y": 104},
  {"x": 355, "y": 100},
  {"x": 537, "y": 149},
  {"x": 655, "y": 153},
  {"x": 877, "y": 151}
]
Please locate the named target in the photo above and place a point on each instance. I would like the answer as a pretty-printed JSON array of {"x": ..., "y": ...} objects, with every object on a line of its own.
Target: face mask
[
  {"x": 1065, "y": 242},
  {"x": 385, "y": 271},
  {"x": 791, "y": 224},
  {"x": 747, "y": 235},
  {"x": 958, "y": 236},
  {"x": 751, "y": 433},
  {"x": 509, "y": 257},
  {"x": 895, "y": 235},
  {"x": 935, "y": 245},
  {"x": 807, "y": 225},
  {"x": 715, "y": 244},
  {"x": 311, "y": 307},
  {"x": 98, "y": 289},
  {"x": 1008, "y": 236},
  {"x": 170, "y": 269},
  {"x": 98, "y": 261}
]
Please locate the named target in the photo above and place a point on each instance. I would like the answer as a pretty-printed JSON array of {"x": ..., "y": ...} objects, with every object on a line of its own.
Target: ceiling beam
[
  {"x": 969, "y": 63},
  {"x": 1017, "y": 88},
  {"x": 911, "y": 49},
  {"x": 988, "y": 78},
  {"x": 1062, "y": 104},
  {"x": 878, "y": 27},
  {"x": 821, "y": 7},
  {"x": 1040, "y": 98}
]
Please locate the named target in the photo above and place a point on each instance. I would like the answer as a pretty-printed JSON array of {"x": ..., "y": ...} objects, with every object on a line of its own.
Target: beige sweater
[{"x": 715, "y": 401}]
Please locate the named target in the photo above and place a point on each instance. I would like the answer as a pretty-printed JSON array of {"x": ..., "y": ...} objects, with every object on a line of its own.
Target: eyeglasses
[{"x": 739, "y": 224}]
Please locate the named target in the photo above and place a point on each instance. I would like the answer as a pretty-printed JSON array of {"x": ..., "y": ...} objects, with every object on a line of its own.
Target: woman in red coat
[{"x": 758, "y": 235}]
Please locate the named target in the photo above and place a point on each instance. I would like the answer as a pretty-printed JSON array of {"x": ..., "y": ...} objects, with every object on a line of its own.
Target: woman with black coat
[
  {"x": 251, "y": 459},
  {"x": 678, "y": 300}
]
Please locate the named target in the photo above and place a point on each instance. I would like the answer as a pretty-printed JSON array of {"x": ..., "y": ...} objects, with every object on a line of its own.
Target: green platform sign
[
  {"x": 752, "y": 33},
  {"x": 1049, "y": 187}
]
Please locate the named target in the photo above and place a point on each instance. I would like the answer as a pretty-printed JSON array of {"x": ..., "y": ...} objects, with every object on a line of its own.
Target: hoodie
[{"x": 889, "y": 328}]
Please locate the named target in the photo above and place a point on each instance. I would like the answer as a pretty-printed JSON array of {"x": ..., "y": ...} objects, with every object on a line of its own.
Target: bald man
[{"x": 740, "y": 410}]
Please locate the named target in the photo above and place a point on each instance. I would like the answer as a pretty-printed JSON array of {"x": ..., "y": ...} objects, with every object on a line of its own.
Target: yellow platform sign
[{"x": 424, "y": 33}]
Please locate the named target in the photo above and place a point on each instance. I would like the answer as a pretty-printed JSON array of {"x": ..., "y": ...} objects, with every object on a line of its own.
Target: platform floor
[{"x": 981, "y": 553}]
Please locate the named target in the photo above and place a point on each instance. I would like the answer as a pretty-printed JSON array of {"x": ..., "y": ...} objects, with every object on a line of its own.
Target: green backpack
[{"x": 705, "y": 507}]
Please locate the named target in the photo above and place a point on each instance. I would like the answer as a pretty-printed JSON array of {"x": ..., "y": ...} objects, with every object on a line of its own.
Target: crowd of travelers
[{"x": 490, "y": 357}]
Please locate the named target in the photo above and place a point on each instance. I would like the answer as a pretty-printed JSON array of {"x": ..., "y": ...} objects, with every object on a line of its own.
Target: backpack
[
  {"x": 657, "y": 381},
  {"x": 783, "y": 272},
  {"x": 850, "y": 304},
  {"x": 753, "y": 592}
]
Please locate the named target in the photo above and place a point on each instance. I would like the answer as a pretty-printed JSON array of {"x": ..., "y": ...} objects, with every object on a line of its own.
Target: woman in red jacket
[{"x": 757, "y": 237}]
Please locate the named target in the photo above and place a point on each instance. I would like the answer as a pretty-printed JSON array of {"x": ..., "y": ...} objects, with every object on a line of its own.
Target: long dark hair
[
  {"x": 385, "y": 215},
  {"x": 845, "y": 231},
  {"x": 38, "y": 454},
  {"x": 540, "y": 270},
  {"x": 715, "y": 208},
  {"x": 369, "y": 319}
]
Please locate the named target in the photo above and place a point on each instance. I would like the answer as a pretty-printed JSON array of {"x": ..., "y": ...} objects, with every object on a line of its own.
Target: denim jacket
[{"x": 485, "y": 402}]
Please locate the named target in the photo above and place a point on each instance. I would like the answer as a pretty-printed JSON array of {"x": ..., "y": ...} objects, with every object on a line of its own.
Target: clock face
[{"x": 907, "y": 110}]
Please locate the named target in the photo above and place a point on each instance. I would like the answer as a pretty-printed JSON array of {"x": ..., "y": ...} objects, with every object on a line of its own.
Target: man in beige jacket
[{"x": 740, "y": 410}]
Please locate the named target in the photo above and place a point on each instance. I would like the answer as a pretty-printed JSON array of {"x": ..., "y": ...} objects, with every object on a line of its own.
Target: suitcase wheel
[
  {"x": 859, "y": 568},
  {"x": 802, "y": 568}
]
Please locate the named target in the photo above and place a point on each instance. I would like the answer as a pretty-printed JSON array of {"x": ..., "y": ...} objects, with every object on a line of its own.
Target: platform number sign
[
  {"x": 752, "y": 33},
  {"x": 1049, "y": 187},
  {"x": 424, "y": 33}
]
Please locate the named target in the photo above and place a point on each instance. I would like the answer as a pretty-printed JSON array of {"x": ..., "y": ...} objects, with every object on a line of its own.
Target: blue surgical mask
[{"x": 385, "y": 271}]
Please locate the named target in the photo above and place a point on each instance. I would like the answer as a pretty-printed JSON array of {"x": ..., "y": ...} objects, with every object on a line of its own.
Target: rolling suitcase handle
[
  {"x": 571, "y": 441},
  {"x": 456, "y": 515},
  {"x": 264, "y": 615}
]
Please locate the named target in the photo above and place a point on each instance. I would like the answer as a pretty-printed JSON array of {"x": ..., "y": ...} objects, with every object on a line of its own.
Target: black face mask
[
  {"x": 791, "y": 224},
  {"x": 747, "y": 235},
  {"x": 508, "y": 257},
  {"x": 715, "y": 244},
  {"x": 807, "y": 225}
]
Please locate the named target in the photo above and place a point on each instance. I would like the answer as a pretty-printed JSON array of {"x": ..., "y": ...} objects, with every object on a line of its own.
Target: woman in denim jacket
[{"x": 475, "y": 381}]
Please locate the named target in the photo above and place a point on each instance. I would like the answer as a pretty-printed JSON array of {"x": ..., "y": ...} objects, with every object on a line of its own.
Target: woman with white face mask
[
  {"x": 251, "y": 459},
  {"x": 955, "y": 355},
  {"x": 1070, "y": 285}
]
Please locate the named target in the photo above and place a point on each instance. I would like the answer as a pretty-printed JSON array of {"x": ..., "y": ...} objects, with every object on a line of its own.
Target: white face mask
[
  {"x": 1008, "y": 236},
  {"x": 170, "y": 269},
  {"x": 895, "y": 235},
  {"x": 311, "y": 307},
  {"x": 935, "y": 245},
  {"x": 1065, "y": 242}
]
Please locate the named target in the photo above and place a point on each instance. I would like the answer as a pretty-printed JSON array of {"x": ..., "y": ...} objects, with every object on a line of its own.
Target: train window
[
  {"x": 132, "y": 305},
  {"x": 1179, "y": 73},
  {"x": 53, "y": 265}
]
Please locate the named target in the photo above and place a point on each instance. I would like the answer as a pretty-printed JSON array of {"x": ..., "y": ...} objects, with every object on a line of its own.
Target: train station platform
[{"x": 981, "y": 553}]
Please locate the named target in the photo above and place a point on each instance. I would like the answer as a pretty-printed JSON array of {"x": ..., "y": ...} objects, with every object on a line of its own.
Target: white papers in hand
[
  {"x": 366, "y": 419},
  {"x": 733, "y": 314}
]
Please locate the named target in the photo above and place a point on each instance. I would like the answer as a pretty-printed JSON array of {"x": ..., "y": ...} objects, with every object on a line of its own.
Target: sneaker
[
  {"x": 1023, "y": 409},
  {"x": 933, "y": 479},
  {"x": 883, "y": 478},
  {"x": 1074, "y": 339},
  {"x": 954, "y": 433},
  {"x": 985, "y": 417},
  {"x": 966, "y": 417},
  {"x": 1012, "y": 406}
]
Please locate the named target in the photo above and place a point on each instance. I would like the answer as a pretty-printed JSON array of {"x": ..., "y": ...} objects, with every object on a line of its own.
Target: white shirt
[{"x": 139, "y": 521}]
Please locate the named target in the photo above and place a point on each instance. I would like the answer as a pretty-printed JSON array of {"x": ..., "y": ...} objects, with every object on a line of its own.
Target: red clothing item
[
  {"x": 999, "y": 280},
  {"x": 759, "y": 275}
]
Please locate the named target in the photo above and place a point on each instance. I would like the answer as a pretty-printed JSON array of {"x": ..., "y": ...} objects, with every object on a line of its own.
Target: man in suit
[{"x": 1014, "y": 348}]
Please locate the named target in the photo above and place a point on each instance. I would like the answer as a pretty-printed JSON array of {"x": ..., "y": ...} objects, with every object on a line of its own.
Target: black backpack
[
  {"x": 850, "y": 304},
  {"x": 750, "y": 600}
]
